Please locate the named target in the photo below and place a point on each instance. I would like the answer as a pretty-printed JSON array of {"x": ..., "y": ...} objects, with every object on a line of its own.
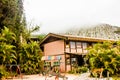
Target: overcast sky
[{"x": 57, "y": 15}]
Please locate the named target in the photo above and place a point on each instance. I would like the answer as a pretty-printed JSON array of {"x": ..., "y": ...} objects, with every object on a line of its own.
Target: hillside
[{"x": 105, "y": 31}]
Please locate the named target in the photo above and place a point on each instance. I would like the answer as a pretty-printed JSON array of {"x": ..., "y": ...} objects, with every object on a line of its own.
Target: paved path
[
  {"x": 84, "y": 76},
  {"x": 38, "y": 77}
]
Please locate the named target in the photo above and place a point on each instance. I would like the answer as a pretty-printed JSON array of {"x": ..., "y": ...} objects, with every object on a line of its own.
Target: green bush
[
  {"x": 73, "y": 71},
  {"x": 3, "y": 72},
  {"x": 78, "y": 70},
  {"x": 84, "y": 69}
]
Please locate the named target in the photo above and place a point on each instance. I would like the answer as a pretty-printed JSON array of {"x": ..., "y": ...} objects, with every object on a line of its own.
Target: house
[{"x": 66, "y": 50}]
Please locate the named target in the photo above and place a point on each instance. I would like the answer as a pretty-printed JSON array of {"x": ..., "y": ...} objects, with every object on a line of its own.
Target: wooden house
[{"x": 70, "y": 50}]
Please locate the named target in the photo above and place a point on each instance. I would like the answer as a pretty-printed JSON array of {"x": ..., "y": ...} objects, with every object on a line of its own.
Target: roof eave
[{"x": 54, "y": 35}]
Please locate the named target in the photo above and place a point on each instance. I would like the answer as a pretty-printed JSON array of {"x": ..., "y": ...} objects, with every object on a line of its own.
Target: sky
[{"x": 59, "y": 15}]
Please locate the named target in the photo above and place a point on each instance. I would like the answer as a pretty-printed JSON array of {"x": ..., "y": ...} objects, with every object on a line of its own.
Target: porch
[{"x": 74, "y": 60}]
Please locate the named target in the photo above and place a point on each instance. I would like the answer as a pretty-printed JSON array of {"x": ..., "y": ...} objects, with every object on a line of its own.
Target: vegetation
[
  {"x": 16, "y": 48},
  {"x": 30, "y": 58},
  {"x": 78, "y": 70},
  {"x": 104, "y": 58},
  {"x": 7, "y": 50},
  {"x": 115, "y": 78},
  {"x": 3, "y": 72},
  {"x": 11, "y": 13}
]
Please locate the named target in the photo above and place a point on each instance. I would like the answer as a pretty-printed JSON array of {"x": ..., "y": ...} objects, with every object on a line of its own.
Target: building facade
[{"x": 70, "y": 49}]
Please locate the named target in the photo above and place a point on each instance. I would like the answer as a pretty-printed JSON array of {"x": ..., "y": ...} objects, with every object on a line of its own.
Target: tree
[
  {"x": 14, "y": 37},
  {"x": 12, "y": 16},
  {"x": 104, "y": 56},
  {"x": 10, "y": 13}
]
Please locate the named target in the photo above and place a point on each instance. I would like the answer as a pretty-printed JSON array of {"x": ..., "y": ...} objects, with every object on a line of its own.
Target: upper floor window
[
  {"x": 78, "y": 44},
  {"x": 84, "y": 45},
  {"x": 72, "y": 44}
]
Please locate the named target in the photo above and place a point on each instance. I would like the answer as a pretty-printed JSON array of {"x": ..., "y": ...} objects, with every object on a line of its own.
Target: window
[
  {"x": 47, "y": 64},
  {"x": 73, "y": 62},
  {"x": 78, "y": 44},
  {"x": 72, "y": 44},
  {"x": 84, "y": 45},
  {"x": 56, "y": 63}
]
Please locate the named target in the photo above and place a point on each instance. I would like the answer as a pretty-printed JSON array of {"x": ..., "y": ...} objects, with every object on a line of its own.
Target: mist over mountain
[{"x": 104, "y": 31}]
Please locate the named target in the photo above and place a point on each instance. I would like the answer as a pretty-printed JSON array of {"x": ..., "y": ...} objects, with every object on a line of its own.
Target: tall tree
[
  {"x": 12, "y": 16},
  {"x": 10, "y": 13}
]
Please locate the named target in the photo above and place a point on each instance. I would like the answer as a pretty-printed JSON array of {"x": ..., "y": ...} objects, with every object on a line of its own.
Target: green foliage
[
  {"x": 41, "y": 36},
  {"x": 10, "y": 13},
  {"x": 30, "y": 58},
  {"x": 7, "y": 50},
  {"x": 78, "y": 70},
  {"x": 83, "y": 69},
  {"x": 11, "y": 16},
  {"x": 3, "y": 72},
  {"x": 116, "y": 77},
  {"x": 104, "y": 56},
  {"x": 14, "y": 48}
]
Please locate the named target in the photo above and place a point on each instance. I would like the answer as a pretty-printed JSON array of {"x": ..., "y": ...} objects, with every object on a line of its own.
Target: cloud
[{"x": 56, "y": 15}]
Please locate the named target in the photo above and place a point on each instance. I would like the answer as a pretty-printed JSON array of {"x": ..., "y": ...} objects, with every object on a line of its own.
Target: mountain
[{"x": 104, "y": 31}]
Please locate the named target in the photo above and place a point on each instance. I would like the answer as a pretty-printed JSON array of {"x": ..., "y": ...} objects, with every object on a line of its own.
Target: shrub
[
  {"x": 84, "y": 69},
  {"x": 3, "y": 72},
  {"x": 78, "y": 70}
]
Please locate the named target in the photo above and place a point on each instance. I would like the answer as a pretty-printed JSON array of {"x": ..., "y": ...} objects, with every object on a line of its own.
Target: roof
[{"x": 74, "y": 38}]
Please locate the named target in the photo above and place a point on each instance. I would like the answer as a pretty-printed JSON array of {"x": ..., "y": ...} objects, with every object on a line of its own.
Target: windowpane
[
  {"x": 56, "y": 63},
  {"x": 84, "y": 45},
  {"x": 78, "y": 44},
  {"x": 72, "y": 44}
]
